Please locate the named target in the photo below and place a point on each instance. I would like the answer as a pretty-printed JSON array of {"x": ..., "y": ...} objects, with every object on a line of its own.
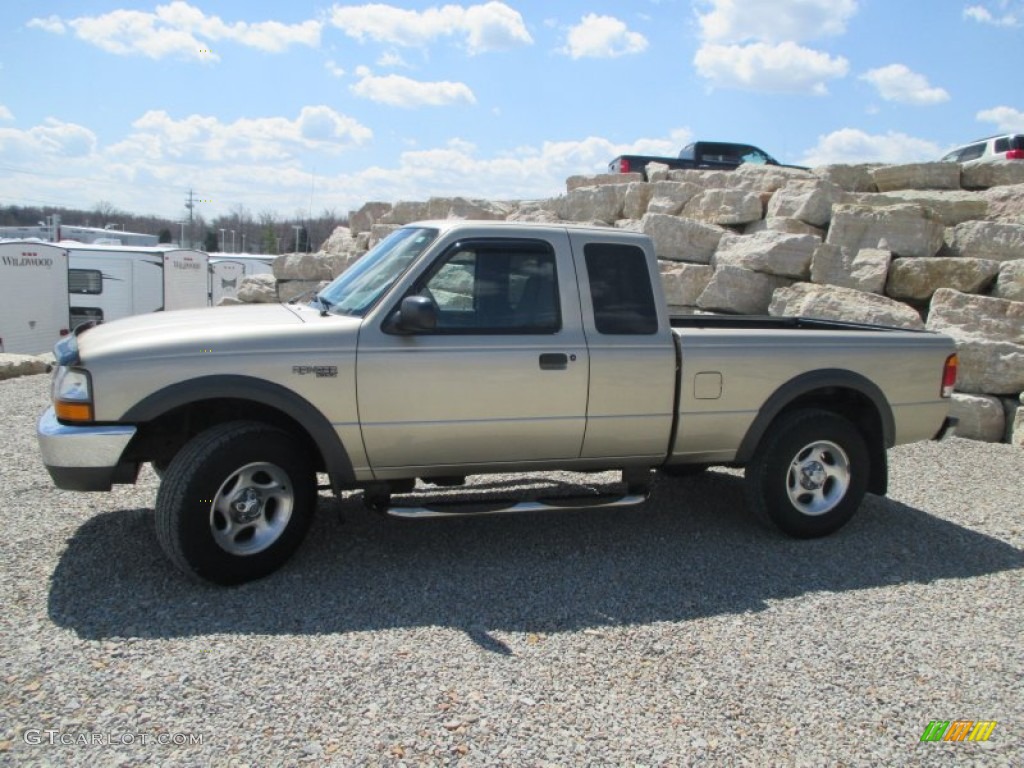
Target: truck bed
[{"x": 767, "y": 322}]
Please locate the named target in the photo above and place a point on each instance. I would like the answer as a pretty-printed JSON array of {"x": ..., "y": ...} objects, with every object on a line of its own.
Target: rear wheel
[
  {"x": 235, "y": 502},
  {"x": 809, "y": 475}
]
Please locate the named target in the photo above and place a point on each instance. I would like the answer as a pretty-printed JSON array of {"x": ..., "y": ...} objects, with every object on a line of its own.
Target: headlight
[{"x": 72, "y": 394}]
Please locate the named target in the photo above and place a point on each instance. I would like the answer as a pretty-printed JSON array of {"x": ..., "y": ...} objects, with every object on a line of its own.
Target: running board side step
[{"x": 471, "y": 508}]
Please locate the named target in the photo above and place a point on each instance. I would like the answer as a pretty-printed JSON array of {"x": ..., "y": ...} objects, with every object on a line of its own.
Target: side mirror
[{"x": 416, "y": 315}]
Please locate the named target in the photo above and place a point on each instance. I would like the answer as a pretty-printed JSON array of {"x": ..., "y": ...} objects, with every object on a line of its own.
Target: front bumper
[
  {"x": 85, "y": 458},
  {"x": 947, "y": 429}
]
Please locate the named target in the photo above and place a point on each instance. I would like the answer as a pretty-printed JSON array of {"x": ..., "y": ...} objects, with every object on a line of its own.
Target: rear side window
[
  {"x": 620, "y": 288},
  {"x": 1003, "y": 144}
]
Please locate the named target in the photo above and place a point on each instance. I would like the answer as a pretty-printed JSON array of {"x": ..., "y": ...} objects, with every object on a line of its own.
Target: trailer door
[
  {"x": 33, "y": 297},
  {"x": 186, "y": 280}
]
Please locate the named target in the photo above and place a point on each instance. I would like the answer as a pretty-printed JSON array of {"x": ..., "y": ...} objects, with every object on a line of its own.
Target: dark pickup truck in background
[{"x": 700, "y": 155}]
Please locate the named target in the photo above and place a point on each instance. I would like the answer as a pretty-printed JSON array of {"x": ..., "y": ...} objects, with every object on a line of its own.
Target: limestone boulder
[
  {"x": 12, "y": 366},
  {"x": 670, "y": 196},
  {"x": 988, "y": 240},
  {"x": 536, "y": 213},
  {"x": 981, "y": 417},
  {"x": 951, "y": 207},
  {"x": 604, "y": 203},
  {"x": 657, "y": 171},
  {"x": 918, "y": 279},
  {"x": 1010, "y": 283},
  {"x": 917, "y": 176},
  {"x": 465, "y": 208},
  {"x": 724, "y": 207},
  {"x": 364, "y": 219},
  {"x": 783, "y": 224},
  {"x": 677, "y": 239},
  {"x": 740, "y": 291},
  {"x": 258, "y": 289},
  {"x": 404, "y": 212},
  {"x": 985, "y": 175},
  {"x": 764, "y": 180},
  {"x": 684, "y": 283},
  {"x": 341, "y": 241},
  {"x": 310, "y": 266},
  {"x": 380, "y": 231},
  {"x": 1017, "y": 430},
  {"x": 830, "y": 302},
  {"x": 850, "y": 178},
  {"x": 1005, "y": 204},
  {"x": 773, "y": 253},
  {"x": 864, "y": 270},
  {"x": 808, "y": 200},
  {"x": 638, "y": 197},
  {"x": 600, "y": 179},
  {"x": 989, "y": 335},
  {"x": 906, "y": 230}
]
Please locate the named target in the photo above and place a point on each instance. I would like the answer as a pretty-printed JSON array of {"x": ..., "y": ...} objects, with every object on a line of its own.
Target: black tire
[
  {"x": 236, "y": 502},
  {"x": 809, "y": 474},
  {"x": 681, "y": 471}
]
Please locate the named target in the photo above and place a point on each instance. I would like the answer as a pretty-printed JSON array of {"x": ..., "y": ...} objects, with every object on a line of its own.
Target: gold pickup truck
[{"x": 458, "y": 348}]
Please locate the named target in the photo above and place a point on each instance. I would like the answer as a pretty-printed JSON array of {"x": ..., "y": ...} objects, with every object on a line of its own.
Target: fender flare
[
  {"x": 235, "y": 387},
  {"x": 807, "y": 383}
]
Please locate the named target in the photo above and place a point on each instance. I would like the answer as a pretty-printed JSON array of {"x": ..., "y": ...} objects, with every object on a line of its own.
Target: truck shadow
[{"x": 692, "y": 551}]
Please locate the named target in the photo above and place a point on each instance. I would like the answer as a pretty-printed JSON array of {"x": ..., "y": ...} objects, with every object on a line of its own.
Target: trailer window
[
  {"x": 620, "y": 288},
  {"x": 87, "y": 281},
  {"x": 81, "y": 315}
]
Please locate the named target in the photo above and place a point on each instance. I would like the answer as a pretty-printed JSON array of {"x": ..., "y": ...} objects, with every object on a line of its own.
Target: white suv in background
[{"x": 1006, "y": 146}]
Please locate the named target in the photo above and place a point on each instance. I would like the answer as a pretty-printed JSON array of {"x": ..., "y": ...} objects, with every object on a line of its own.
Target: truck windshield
[{"x": 359, "y": 287}]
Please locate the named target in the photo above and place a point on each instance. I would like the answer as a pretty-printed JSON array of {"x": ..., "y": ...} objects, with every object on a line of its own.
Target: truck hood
[{"x": 193, "y": 332}]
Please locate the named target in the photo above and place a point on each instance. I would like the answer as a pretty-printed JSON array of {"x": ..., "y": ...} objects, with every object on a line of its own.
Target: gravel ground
[{"x": 675, "y": 633}]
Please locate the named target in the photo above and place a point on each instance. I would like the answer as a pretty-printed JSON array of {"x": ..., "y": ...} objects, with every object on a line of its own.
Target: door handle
[{"x": 554, "y": 361}]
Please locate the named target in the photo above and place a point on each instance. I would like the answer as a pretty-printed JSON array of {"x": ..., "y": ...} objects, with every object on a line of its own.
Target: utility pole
[
  {"x": 190, "y": 205},
  {"x": 296, "y": 227}
]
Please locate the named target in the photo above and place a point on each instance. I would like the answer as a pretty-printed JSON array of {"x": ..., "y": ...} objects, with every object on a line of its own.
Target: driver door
[{"x": 501, "y": 380}]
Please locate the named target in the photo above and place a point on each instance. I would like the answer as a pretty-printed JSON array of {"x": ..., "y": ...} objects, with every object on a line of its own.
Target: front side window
[
  {"x": 495, "y": 287},
  {"x": 620, "y": 289},
  {"x": 972, "y": 152}
]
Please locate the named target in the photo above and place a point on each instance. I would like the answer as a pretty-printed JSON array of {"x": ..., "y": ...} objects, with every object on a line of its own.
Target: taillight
[
  {"x": 949, "y": 375},
  {"x": 623, "y": 166},
  {"x": 1015, "y": 154}
]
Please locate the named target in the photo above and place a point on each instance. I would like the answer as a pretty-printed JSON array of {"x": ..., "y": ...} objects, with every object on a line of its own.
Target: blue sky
[{"x": 285, "y": 107}]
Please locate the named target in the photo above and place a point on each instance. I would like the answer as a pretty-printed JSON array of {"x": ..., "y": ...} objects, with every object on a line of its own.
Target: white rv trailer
[
  {"x": 33, "y": 296},
  {"x": 228, "y": 269},
  {"x": 108, "y": 282}
]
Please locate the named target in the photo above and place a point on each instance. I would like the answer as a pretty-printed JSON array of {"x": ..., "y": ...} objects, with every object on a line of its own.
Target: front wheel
[
  {"x": 809, "y": 474},
  {"x": 235, "y": 502}
]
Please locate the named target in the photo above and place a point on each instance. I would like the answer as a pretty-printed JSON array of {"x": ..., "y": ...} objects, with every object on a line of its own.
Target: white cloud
[
  {"x": 898, "y": 83},
  {"x": 391, "y": 59},
  {"x": 332, "y": 67},
  {"x": 491, "y": 26},
  {"x": 399, "y": 91},
  {"x": 1008, "y": 13},
  {"x": 1005, "y": 118},
  {"x": 783, "y": 68},
  {"x": 602, "y": 37},
  {"x": 53, "y": 139},
  {"x": 738, "y": 21},
  {"x": 199, "y": 138},
  {"x": 180, "y": 29},
  {"x": 51, "y": 24},
  {"x": 5, "y": 113},
  {"x": 850, "y": 145}
]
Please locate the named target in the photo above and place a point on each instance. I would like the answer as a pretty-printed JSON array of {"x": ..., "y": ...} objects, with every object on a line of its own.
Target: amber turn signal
[{"x": 73, "y": 411}]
